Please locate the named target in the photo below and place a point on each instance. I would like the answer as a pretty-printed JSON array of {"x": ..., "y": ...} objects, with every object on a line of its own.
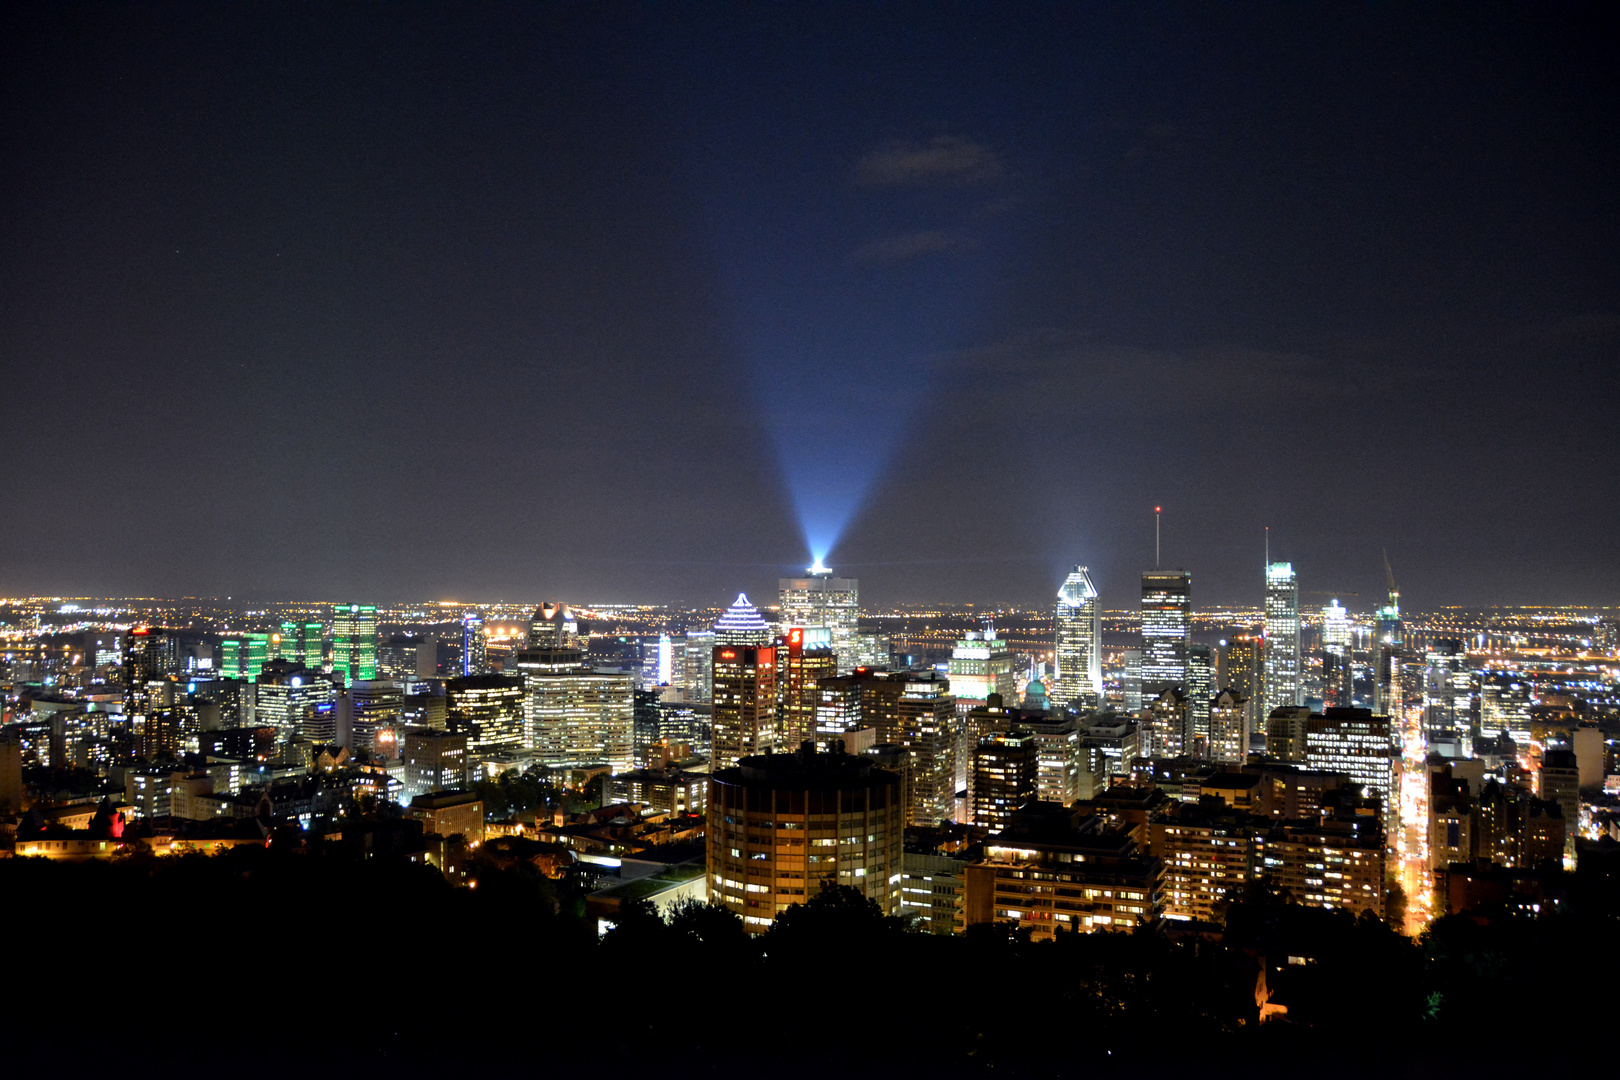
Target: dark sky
[{"x": 639, "y": 302}]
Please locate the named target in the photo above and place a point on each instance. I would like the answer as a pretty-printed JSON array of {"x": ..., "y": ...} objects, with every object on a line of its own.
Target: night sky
[{"x": 643, "y": 302}]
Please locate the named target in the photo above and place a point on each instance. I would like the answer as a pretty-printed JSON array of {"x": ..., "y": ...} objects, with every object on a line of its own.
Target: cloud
[
  {"x": 909, "y": 246},
  {"x": 943, "y": 159}
]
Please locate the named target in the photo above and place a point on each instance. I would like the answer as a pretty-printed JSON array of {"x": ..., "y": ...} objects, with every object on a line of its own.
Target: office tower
[
  {"x": 1504, "y": 706},
  {"x": 287, "y": 695},
  {"x": 375, "y": 706},
  {"x": 1006, "y": 770},
  {"x": 745, "y": 692},
  {"x": 354, "y": 641},
  {"x": 699, "y": 678},
  {"x": 301, "y": 642},
  {"x": 1447, "y": 700},
  {"x": 489, "y": 710},
  {"x": 1283, "y": 678},
  {"x": 1240, "y": 670},
  {"x": 838, "y": 709},
  {"x": 244, "y": 656},
  {"x": 805, "y": 660},
  {"x": 820, "y": 599},
  {"x": 151, "y": 656},
  {"x": 1200, "y": 694},
  {"x": 1130, "y": 681},
  {"x": 474, "y": 646},
  {"x": 1229, "y": 728},
  {"x": 408, "y": 657},
  {"x": 573, "y": 715},
  {"x": 782, "y": 824},
  {"x": 925, "y": 726},
  {"x": 1164, "y": 728},
  {"x": 981, "y": 664},
  {"x": 1558, "y": 780},
  {"x": 1337, "y": 661},
  {"x": 1078, "y": 622},
  {"x": 1166, "y": 630},
  {"x": 1358, "y": 744},
  {"x": 741, "y": 624},
  {"x": 1388, "y": 643},
  {"x": 434, "y": 761}
]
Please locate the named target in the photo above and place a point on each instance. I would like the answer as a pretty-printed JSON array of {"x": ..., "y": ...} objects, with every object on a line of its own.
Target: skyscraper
[
  {"x": 1166, "y": 630},
  {"x": 354, "y": 641},
  {"x": 1283, "y": 688},
  {"x": 1388, "y": 646},
  {"x": 1078, "y": 622},
  {"x": 1447, "y": 697},
  {"x": 745, "y": 692},
  {"x": 823, "y": 600},
  {"x": 1240, "y": 671},
  {"x": 741, "y": 624},
  {"x": 474, "y": 645},
  {"x": 806, "y": 659},
  {"x": 1337, "y": 670},
  {"x": 981, "y": 665},
  {"x": 1200, "y": 694}
]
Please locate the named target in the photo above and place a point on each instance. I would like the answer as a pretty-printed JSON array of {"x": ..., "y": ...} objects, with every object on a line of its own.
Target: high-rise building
[
  {"x": 698, "y": 679},
  {"x": 1389, "y": 640},
  {"x": 288, "y": 697},
  {"x": 1200, "y": 695},
  {"x": 1356, "y": 743},
  {"x": 1229, "y": 728},
  {"x": 1447, "y": 700},
  {"x": 1078, "y": 623},
  {"x": 745, "y": 701},
  {"x": 354, "y": 641},
  {"x": 573, "y": 715},
  {"x": 925, "y": 726},
  {"x": 819, "y": 599},
  {"x": 1130, "y": 681},
  {"x": 1164, "y": 728},
  {"x": 1284, "y": 685},
  {"x": 806, "y": 659},
  {"x": 1166, "y": 630},
  {"x": 474, "y": 645},
  {"x": 780, "y": 825},
  {"x": 1337, "y": 661},
  {"x": 434, "y": 761},
  {"x": 1240, "y": 670},
  {"x": 1006, "y": 771},
  {"x": 489, "y": 710},
  {"x": 742, "y": 624},
  {"x": 302, "y": 642},
  {"x": 981, "y": 665}
]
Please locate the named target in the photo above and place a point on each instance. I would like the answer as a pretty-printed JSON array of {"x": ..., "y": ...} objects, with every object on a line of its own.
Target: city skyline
[{"x": 439, "y": 312}]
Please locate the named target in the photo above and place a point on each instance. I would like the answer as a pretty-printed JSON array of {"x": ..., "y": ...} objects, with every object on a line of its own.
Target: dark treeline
[{"x": 256, "y": 962}]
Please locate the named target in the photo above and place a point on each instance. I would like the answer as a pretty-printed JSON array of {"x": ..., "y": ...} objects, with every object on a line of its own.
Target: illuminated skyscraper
[
  {"x": 823, "y": 600},
  {"x": 1078, "y": 621},
  {"x": 981, "y": 665},
  {"x": 474, "y": 645},
  {"x": 573, "y": 715},
  {"x": 1337, "y": 669},
  {"x": 1240, "y": 671},
  {"x": 302, "y": 642},
  {"x": 1447, "y": 697},
  {"x": 1200, "y": 694},
  {"x": 745, "y": 693},
  {"x": 354, "y": 641},
  {"x": 1388, "y": 647},
  {"x": 1283, "y": 688},
  {"x": 1166, "y": 630},
  {"x": 806, "y": 659},
  {"x": 741, "y": 624}
]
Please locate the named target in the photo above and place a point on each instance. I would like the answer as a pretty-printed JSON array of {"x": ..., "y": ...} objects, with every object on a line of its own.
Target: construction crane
[{"x": 1394, "y": 593}]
